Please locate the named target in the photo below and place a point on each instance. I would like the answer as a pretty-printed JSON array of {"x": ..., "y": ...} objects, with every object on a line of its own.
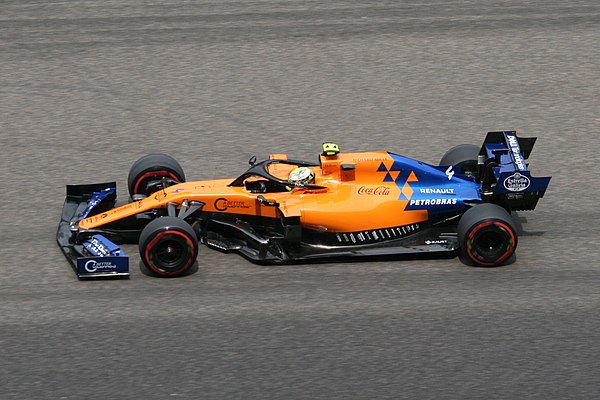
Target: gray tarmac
[{"x": 86, "y": 87}]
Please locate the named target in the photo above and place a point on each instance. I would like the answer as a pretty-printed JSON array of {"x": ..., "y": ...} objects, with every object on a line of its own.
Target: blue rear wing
[
  {"x": 506, "y": 175},
  {"x": 509, "y": 151}
]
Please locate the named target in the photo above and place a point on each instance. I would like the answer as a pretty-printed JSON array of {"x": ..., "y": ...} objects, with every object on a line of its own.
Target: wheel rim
[
  {"x": 491, "y": 243},
  {"x": 170, "y": 252}
]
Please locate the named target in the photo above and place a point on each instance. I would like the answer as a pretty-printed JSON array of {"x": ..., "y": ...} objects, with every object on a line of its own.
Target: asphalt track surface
[{"x": 86, "y": 87}]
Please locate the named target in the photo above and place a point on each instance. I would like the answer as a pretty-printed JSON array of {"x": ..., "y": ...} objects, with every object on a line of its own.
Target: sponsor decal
[
  {"x": 97, "y": 247},
  {"x": 437, "y": 191},
  {"x": 102, "y": 265},
  {"x": 374, "y": 191},
  {"x": 99, "y": 266},
  {"x": 100, "y": 246},
  {"x": 204, "y": 187},
  {"x": 222, "y": 204},
  {"x": 432, "y": 202},
  {"x": 442, "y": 241},
  {"x": 516, "y": 150},
  {"x": 416, "y": 197},
  {"x": 178, "y": 190},
  {"x": 516, "y": 182},
  {"x": 369, "y": 159}
]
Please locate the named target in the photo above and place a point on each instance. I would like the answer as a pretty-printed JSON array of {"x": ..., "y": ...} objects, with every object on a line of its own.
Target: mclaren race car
[{"x": 346, "y": 205}]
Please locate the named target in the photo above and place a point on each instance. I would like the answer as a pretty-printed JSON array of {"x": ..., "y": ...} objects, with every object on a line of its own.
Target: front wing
[{"x": 93, "y": 255}]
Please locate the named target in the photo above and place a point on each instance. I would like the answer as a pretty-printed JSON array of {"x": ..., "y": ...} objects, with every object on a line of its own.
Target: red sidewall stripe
[
  {"x": 506, "y": 254},
  {"x": 153, "y": 174},
  {"x": 155, "y": 240}
]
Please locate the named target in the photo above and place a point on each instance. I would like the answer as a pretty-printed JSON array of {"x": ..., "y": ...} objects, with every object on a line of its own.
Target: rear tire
[
  {"x": 487, "y": 235},
  {"x": 148, "y": 174},
  {"x": 168, "y": 246},
  {"x": 463, "y": 156}
]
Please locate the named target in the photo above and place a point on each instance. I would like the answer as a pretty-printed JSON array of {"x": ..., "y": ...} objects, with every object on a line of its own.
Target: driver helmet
[{"x": 302, "y": 176}]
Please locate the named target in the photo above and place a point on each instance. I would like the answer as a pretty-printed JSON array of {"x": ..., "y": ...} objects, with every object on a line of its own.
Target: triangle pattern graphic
[
  {"x": 396, "y": 166},
  {"x": 400, "y": 179}
]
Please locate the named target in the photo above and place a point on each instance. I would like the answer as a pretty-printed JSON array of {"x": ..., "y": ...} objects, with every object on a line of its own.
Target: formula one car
[{"x": 346, "y": 205}]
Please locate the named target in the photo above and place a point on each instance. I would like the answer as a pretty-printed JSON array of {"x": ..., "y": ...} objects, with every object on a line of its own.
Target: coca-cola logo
[
  {"x": 374, "y": 190},
  {"x": 516, "y": 182}
]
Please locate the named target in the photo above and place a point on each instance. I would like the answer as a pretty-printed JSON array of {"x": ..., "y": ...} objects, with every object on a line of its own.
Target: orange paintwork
[{"x": 354, "y": 199}]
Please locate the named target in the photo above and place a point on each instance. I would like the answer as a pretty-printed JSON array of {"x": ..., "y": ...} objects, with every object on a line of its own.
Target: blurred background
[{"x": 87, "y": 87}]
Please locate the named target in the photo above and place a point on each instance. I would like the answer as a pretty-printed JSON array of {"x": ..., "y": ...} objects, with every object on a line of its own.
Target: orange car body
[{"x": 351, "y": 200}]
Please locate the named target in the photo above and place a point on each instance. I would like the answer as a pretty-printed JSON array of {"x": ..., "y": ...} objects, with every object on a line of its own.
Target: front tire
[
  {"x": 168, "y": 246},
  {"x": 487, "y": 235},
  {"x": 153, "y": 172}
]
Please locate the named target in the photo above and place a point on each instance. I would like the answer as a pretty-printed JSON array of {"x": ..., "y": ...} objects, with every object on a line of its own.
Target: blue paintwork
[
  {"x": 440, "y": 190},
  {"x": 97, "y": 198},
  {"x": 515, "y": 153},
  {"x": 102, "y": 265},
  {"x": 100, "y": 246},
  {"x": 108, "y": 258},
  {"x": 525, "y": 183},
  {"x": 512, "y": 175},
  {"x": 512, "y": 158}
]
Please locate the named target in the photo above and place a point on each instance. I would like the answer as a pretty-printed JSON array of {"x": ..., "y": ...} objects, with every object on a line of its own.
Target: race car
[{"x": 347, "y": 205}]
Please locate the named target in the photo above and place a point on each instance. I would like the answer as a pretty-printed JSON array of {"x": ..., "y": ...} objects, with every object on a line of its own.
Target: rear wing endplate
[{"x": 508, "y": 177}]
